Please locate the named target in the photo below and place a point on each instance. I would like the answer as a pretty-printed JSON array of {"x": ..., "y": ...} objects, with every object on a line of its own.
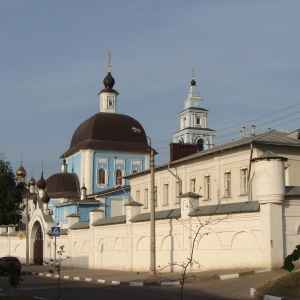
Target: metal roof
[
  {"x": 80, "y": 225},
  {"x": 159, "y": 215},
  {"x": 228, "y": 208},
  {"x": 110, "y": 221},
  {"x": 271, "y": 137},
  {"x": 292, "y": 190}
]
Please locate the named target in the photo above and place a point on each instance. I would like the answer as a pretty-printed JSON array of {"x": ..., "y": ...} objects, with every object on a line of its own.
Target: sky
[{"x": 53, "y": 58}]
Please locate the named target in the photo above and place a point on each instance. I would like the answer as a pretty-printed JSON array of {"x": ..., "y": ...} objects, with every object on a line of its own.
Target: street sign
[
  {"x": 55, "y": 231},
  {"x": 21, "y": 235}
]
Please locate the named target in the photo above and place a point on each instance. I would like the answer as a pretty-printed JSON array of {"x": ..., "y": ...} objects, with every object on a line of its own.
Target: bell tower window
[{"x": 200, "y": 144}]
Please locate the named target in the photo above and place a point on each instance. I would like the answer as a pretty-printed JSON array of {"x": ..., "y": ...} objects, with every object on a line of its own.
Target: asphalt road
[{"x": 46, "y": 288}]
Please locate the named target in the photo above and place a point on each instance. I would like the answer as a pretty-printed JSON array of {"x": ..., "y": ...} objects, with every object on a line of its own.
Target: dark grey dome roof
[
  {"x": 63, "y": 185},
  {"x": 109, "y": 131}
]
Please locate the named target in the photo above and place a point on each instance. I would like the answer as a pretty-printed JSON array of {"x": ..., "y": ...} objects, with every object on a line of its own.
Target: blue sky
[{"x": 53, "y": 58}]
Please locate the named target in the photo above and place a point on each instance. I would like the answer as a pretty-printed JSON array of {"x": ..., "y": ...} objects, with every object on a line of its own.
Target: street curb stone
[{"x": 158, "y": 282}]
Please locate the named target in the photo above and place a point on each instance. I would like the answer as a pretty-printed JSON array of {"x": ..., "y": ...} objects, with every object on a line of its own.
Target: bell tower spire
[{"x": 108, "y": 96}]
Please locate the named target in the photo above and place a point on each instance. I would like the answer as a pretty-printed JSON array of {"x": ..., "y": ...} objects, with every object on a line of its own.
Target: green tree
[{"x": 11, "y": 194}]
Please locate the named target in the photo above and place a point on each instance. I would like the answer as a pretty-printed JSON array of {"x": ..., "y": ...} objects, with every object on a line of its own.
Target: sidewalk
[{"x": 135, "y": 278}]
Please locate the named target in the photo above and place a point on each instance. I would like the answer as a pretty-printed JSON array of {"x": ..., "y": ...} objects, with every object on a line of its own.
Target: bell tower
[{"x": 193, "y": 121}]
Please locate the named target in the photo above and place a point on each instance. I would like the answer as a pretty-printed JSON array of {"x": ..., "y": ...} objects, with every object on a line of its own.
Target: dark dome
[
  {"x": 63, "y": 185},
  {"x": 109, "y": 81},
  {"x": 109, "y": 131},
  {"x": 41, "y": 184},
  {"x": 46, "y": 198},
  {"x": 193, "y": 82}
]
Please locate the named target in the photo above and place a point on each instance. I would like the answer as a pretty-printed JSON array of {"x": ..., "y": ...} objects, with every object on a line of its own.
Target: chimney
[{"x": 253, "y": 130}]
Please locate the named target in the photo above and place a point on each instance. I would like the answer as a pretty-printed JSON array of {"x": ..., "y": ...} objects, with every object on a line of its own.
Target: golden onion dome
[
  {"x": 21, "y": 172},
  {"x": 32, "y": 182}
]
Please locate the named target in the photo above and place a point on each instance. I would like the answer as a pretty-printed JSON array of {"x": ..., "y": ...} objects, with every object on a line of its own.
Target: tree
[
  {"x": 290, "y": 259},
  {"x": 56, "y": 265},
  {"x": 11, "y": 194},
  {"x": 14, "y": 276}
]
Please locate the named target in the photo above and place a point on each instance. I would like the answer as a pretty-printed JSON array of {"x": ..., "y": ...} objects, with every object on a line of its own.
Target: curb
[
  {"x": 112, "y": 282},
  {"x": 258, "y": 296},
  {"x": 157, "y": 283}
]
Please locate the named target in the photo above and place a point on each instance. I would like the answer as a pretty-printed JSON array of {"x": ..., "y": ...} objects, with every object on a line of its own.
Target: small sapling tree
[
  {"x": 14, "y": 276},
  {"x": 56, "y": 266}
]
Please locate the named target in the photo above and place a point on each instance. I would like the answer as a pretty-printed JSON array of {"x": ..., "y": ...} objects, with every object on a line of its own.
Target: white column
[{"x": 270, "y": 188}]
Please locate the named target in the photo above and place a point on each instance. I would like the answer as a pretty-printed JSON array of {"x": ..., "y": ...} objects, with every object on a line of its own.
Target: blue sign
[{"x": 55, "y": 231}]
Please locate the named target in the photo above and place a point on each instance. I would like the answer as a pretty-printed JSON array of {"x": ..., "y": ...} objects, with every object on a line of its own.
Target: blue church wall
[
  {"x": 74, "y": 164},
  {"x": 84, "y": 211},
  {"x": 110, "y": 163},
  {"x": 62, "y": 212}
]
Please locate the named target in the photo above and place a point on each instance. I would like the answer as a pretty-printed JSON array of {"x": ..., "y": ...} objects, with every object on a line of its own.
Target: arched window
[
  {"x": 200, "y": 144},
  {"x": 119, "y": 175},
  {"x": 102, "y": 175}
]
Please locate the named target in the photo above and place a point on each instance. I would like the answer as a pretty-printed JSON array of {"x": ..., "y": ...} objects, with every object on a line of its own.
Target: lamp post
[
  {"x": 27, "y": 237},
  {"x": 152, "y": 208}
]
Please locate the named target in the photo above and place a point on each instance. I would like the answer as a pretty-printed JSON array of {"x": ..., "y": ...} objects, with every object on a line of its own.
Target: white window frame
[
  {"x": 166, "y": 194},
  {"x": 177, "y": 191},
  {"x": 207, "y": 187},
  {"x": 244, "y": 181},
  {"x": 227, "y": 184},
  {"x": 193, "y": 185},
  {"x": 146, "y": 198},
  {"x": 118, "y": 179},
  {"x": 102, "y": 184},
  {"x": 137, "y": 196}
]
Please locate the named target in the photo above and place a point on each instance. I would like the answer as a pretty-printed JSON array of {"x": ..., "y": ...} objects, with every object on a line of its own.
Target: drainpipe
[
  {"x": 248, "y": 179},
  {"x": 178, "y": 178}
]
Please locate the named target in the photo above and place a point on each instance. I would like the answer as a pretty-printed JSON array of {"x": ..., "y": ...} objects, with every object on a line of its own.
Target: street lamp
[
  {"x": 27, "y": 237},
  {"x": 152, "y": 208}
]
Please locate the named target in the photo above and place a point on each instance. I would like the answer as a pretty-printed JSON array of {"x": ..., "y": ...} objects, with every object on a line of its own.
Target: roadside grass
[{"x": 285, "y": 286}]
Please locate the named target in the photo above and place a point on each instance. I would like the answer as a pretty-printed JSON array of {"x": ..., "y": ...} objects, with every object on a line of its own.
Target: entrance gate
[{"x": 38, "y": 247}]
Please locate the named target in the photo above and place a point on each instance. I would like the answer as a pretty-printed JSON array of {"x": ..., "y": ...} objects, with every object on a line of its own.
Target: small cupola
[
  {"x": 83, "y": 193},
  {"x": 31, "y": 185},
  {"x": 108, "y": 96},
  {"x": 21, "y": 173},
  {"x": 64, "y": 166}
]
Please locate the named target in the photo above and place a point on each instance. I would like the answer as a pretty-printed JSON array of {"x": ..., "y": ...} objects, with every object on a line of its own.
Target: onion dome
[
  {"x": 41, "y": 184},
  {"x": 21, "y": 172},
  {"x": 63, "y": 185},
  {"x": 109, "y": 81},
  {"x": 32, "y": 182},
  {"x": 108, "y": 132},
  {"x": 46, "y": 198}
]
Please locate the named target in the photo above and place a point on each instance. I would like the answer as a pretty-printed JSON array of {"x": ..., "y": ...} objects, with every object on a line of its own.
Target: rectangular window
[
  {"x": 101, "y": 177},
  {"x": 198, "y": 121},
  {"x": 227, "y": 184},
  {"x": 119, "y": 175},
  {"x": 146, "y": 198},
  {"x": 207, "y": 194},
  {"x": 137, "y": 196},
  {"x": 155, "y": 196},
  {"x": 166, "y": 194},
  {"x": 244, "y": 181},
  {"x": 193, "y": 185},
  {"x": 177, "y": 192}
]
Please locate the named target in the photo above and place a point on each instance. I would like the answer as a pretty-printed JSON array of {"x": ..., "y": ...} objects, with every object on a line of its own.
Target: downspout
[
  {"x": 248, "y": 179},
  {"x": 178, "y": 178}
]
